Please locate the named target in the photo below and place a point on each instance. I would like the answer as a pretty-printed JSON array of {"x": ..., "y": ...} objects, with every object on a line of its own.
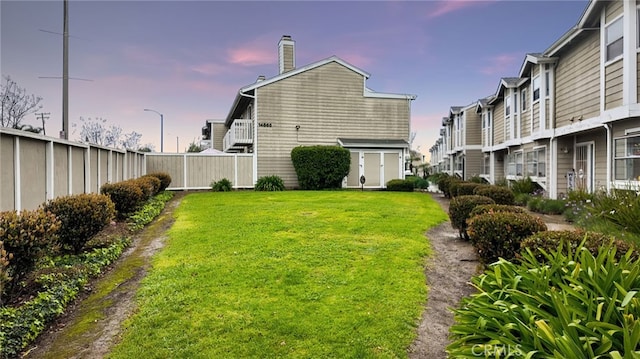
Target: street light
[{"x": 161, "y": 128}]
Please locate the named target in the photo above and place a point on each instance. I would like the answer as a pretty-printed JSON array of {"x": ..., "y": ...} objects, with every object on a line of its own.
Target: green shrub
[
  {"x": 5, "y": 257},
  {"x": 127, "y": 196},
  {"x": 454, "y": 183},
  {"x": 441, "y": 180},
  {"x": 550, "y": 241},
  {"x": 524, "y": 185},
  {"x": 521, "y": 199},
  {"x": 459, "y": 209},
  {"x": 572, "y": 305},
  {"x": 165, "y": 179},
  {"x": 621, "y": 207},
  {"x": 501, "y": 195},
  {"x": 552, "y": 206},
  {"x": 418, "y": 182},
  {"x": 498, "y": 235},
  {"x": 534, "y": 204},
  {"x": 224, "y": 185},
  {"x": 27, "y": 236},
  {"x": 477, "y": 179},
  {"x": 149, "y": 211},
  {"x": 270, "y": 183},
  {"x": 320, "y": 167},
  {"x": 81, "y": 217},
  {"x": 466, "y": 188},
  {"x": 149, "y": 185},
  {"x": 399, "y": 185},
  {"x": 495, "y": 208}
]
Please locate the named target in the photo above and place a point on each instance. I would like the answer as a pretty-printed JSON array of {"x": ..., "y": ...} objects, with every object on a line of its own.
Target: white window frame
[
  {"x": 523, "y": 99},
  {"x": 536, "y": 153},
  {"x": 610, "y": 41},
  {"x": 631, "y": 147},
  {"x": 507, "y": 105},
  {"x": 535, "y": 85}
]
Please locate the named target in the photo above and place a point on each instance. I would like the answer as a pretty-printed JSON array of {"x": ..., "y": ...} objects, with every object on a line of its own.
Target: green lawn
[{"x": 286, "y": 274}]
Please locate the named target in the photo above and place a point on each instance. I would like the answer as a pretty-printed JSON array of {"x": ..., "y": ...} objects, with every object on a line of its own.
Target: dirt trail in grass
[
  {"x": 91, "y": 326},
  {"x": 448, "y": 271}
]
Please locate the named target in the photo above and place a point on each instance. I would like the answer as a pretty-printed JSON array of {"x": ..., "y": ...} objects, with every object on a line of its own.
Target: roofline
[
  {"x": 529, "y": 58},
  {"x": 574, "y": 31}
]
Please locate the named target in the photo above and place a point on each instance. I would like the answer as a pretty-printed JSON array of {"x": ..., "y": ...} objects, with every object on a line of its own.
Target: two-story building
[
  {"x": 323, "y": 103},
  {"x": 570, "y": 120}
]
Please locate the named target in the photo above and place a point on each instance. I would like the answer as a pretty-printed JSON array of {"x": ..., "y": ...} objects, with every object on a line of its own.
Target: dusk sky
[{"x": 187, "y": 59}]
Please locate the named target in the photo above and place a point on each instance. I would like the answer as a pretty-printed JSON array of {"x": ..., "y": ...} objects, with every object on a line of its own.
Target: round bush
[
  {"x": 269, "y": 183},
  {"x": 399, "y": 185},
  {"x": 459, "y": 209},
  {"x": 466, "y": 188},
  {"x": 149, "y": 185},
  {"x": 81, "y": 217},
  {"x": 549, "y": 241},
  {"x": 500, "y": 194},
  {"x": 498, "y": 235},
  {"x": 495, "y": 208},
  {"x": 165, "y": 179},
  {"x": 127, "y": 196}
]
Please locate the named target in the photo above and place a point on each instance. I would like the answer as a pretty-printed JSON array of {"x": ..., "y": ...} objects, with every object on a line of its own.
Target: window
[
  {"x": 519, "y": 163},
  {"x": 514, "y": 164},
  {"x": 613, "y": 33},
  {"x": 523, "y": 94},
  {"x": 507, "y": 105},
  {"x": 536, "y": 88},
  {"x": 536, "y": 163},
  {"x": 486, "y": 165},
  {"x": 627, "y": 158},
  {"x": 515, "y": 102},
  {"x": 546, "y": 83}
]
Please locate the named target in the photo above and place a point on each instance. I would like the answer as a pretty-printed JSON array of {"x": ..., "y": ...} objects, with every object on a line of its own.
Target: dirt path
[
  {"x": 448, "y": 271},
  {"x": 92, "y": 324}
]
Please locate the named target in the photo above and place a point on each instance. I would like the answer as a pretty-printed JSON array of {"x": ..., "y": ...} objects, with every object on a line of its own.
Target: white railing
[{"x": 240, "y": 134}]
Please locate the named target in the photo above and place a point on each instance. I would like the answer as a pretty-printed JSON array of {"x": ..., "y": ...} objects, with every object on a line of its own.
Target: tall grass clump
[{"x": 571, "y": 305}]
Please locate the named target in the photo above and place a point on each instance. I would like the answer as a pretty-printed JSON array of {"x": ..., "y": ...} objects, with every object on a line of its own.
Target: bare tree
[
  {"x": 97, "y": 132},
  {"x": 15, "y": 103}
]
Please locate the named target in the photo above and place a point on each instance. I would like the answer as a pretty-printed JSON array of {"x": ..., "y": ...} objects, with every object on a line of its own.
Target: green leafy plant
[
  {"x": 459, "y": 209},
  {"x": 498, "y": 235},
  {"x": 81, "y": 216},
  {"x": 320, "y": 167},
  {"x": 5, "y": 257},
  {"x": 223, "y": 185},
  {"x": 572, "y": 304},
  {"x": 149, "y": 211},
  {"x": 500, "y": 194},
  {"x": 270, "y": 183},
  {"x": 400, "y": 185},
  {"x": 524, "y": 185}
]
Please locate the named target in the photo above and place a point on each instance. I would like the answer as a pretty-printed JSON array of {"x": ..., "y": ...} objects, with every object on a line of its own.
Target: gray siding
[
  {"x": 219, "y": 130},
  {"x": 326, "y": 103},
  {"x": 498, "y": 123},
  {"x": 613, "y": 9},
  {"x": 473, "y": 127},
  {"x": 613, "y": 85},
  {"x": 473, "y": 163},
  {"x": 578, "y": 80}
]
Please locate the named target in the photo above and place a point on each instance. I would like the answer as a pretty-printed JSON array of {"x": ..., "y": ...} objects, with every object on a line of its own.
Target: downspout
[
  {"x": 553, "y": 180},
  {"x": 255, "y": 135},
  {"x": 609, "y": 142}
]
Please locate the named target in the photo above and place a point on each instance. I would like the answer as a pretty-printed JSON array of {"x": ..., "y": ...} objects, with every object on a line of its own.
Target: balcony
[{"x": 239, "y": 135}]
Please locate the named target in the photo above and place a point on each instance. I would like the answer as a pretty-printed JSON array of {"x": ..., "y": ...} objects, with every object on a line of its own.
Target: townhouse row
[{"x": 569, "y": 120}]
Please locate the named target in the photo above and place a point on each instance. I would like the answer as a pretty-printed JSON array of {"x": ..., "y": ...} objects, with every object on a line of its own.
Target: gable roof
[
  {"x": 244, "y": 94},
  {"x": 534, "y": 59},
  {"x": 507, "y": 82}
]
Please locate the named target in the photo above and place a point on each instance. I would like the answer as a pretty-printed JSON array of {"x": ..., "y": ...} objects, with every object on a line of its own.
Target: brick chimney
[{"x": 286, "y": 54}]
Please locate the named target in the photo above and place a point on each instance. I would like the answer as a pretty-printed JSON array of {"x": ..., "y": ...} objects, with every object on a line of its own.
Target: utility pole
[
  {"x": 43, "y": 116},
  {"x": 65, "y": 73}
]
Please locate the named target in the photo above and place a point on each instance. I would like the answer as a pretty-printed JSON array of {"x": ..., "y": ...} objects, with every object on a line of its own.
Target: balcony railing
[{"x": 240, "y": 134}]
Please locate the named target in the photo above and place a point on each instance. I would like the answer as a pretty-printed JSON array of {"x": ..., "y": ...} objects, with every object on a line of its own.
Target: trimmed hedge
[
  {"x": 498, "y": 235},
  {"x": 269, "y": 183},
  {"x": 495, "y": 208},
  {"x": 459, "y": 209},
  {"x": 165, "y": 179},
  {"x": 27, "y": 236},
  {"x": 81, "y": 217},
  {"x": 320, "y": 167},
  {"x": 400, "y": 185},
  {"x": 500, "y": 194},
  {"x": 550, "y": 241},
  {"x": 149, "y": 185},
  {"x": 127, "y": 196},
  {"x": 466, "y": 188}
]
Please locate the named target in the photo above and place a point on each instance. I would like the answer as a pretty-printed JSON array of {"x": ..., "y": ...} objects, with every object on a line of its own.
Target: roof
[
  {"x": 372, "y": 143},
  {"x": 534, "y": 59},
  {"x": 483, "y": 102},
  {"x": 246, "y": 93},
  {"x": 507, "y": 82},
  {"x": 588, "y": 21}
]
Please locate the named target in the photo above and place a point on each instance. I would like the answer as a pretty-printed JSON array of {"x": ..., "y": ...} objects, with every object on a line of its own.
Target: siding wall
[
  {"x": 613, "y": 85},
  {"x": 498, "y": 123},
  {"x": 327, "y": 103},
  {"x": 613, "y": 9},
  {"x": 219, "y": 130},
  {"x": 578, "y": 80},
  {"x": 473, "y": 161},
  {"x": 473, "y": 127}
]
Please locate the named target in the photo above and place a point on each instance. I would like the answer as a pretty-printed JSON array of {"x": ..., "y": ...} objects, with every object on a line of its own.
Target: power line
[{"x": 43, "y": 116}]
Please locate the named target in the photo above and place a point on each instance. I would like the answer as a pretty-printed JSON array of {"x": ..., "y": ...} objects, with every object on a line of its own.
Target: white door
[{"x": 584, "y": 167}]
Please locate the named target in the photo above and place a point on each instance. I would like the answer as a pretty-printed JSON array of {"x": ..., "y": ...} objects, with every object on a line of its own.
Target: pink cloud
[
  {"x": 258, "y": 51},
  {"x": 357, "y": 59},
  {"x": 208, "y": 69},
  {"x": 496, "y": 65},
  {"x": 449, "y": 6}
]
